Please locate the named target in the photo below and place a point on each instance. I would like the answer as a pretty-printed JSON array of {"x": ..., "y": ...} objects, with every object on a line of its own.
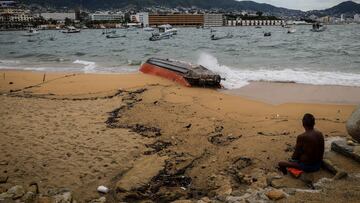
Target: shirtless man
[{"x": 309, "y": 149}]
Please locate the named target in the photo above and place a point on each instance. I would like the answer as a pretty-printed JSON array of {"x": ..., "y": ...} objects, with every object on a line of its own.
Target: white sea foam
[
  {"x": 89, "y": 66},
  {"x": 236, "y": 78},
  {"x": 9, "y": 62}
]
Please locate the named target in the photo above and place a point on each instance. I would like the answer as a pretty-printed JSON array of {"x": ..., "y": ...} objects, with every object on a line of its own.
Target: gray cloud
[{"x": 304, "y": 5}]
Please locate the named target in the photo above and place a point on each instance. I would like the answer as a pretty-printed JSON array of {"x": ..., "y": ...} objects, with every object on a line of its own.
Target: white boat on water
[
  {"x": 291, "y": 30},
  {"x": 112, "y": 36},
  {"x": 318, "y": 27},
  {"x": 71, "y": 29},
  {"x": 149, "y": 29},
  {"x": 167, "y": 29},
  {"x": 31, "y": 32},
  {"x": 160, "y": 36}
]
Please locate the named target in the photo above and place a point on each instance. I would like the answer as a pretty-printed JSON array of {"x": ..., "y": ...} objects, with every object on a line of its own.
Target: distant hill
[
  {"x": 206, "y": 4},
  {"x": 348, "y": 8}
]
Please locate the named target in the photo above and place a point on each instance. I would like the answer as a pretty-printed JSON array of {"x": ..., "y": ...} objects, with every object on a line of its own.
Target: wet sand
[
  {"x": 80, "y": 131},
  {"x": 279, "y": 93}
]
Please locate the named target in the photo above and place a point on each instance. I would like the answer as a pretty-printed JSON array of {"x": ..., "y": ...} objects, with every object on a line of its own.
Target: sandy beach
[{"x": 136, "y": 133}]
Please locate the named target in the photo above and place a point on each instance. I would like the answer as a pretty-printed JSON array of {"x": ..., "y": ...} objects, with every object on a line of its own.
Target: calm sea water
[{"x": 330, "y": 57}]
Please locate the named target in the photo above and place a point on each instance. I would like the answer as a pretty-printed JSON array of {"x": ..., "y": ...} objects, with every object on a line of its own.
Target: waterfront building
[
  {"x": 342, "y": 17},
  {"x": 142, "y": 18},
  {"x": 106, "y": 16},
  {"x": 357, "y": 18},
  {"x": 213, "y": 20},
  {"x": 15, "y": 15},
  {"x": 240, "y": 22},
  {"x": 59, "y": 17},
  {"x": 176, "y": 19}
]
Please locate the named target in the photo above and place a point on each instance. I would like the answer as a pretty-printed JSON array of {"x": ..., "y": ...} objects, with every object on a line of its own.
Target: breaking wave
[
  {"x": 89, "y": 66},
  {"x": 239, "y": 78}
]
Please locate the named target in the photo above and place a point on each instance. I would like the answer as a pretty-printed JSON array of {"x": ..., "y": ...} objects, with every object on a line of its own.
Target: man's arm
[{"x": 298, "y": 148}]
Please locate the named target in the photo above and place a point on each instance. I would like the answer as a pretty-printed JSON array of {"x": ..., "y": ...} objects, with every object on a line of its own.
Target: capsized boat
[{"x": 181, "y": 72}]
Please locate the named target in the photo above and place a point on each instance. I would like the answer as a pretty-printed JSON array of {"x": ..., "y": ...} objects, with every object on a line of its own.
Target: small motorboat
[
  {"x": 167, "y": 29},
  {"x": 228, "y": 36},
  {"x": 149, "y": 29},
  {"x": 31, "y": 32},
  {"x": 105, "y": 32},
  {"x": 183, "y": 73},
  {"x": 258, "y": 27},
  {"x": 267, "y": 34},
  {"x": 111, "y": 36},
  {"x": 160, "y": 36},
  {"x": 291, "y": 30},
  {"x": 71, "y": 29},
  {"x": 318, "y": 27}
]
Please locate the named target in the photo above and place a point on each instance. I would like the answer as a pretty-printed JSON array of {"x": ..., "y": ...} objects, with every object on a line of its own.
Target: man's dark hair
[{"x": 308, "y": 121}]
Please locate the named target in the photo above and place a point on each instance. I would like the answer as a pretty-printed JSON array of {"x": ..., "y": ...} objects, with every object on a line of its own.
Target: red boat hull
[{"x": 158, "y": 71}]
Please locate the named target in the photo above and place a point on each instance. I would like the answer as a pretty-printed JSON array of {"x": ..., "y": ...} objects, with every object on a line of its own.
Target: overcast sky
[{"x": 304, "y": 5}]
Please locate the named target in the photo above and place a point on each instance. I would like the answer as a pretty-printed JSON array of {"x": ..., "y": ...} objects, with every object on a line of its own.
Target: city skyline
[{"x": 304, "y": 5}]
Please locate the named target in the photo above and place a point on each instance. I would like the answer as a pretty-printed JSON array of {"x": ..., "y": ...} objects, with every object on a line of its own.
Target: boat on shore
[
  {"x": 228, "y": 36},
  {"x": 183, "y": 73},
  {"x": 318, "y": 27},
  {"x": 71, "y": 29}
]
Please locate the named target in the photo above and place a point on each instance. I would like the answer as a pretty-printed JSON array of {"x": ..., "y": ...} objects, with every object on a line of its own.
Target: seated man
[{"x": 309, "y": 149}]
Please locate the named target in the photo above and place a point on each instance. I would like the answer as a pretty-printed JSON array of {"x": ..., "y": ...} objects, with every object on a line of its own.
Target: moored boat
[
  {"x": 149, "y": 29},
  {"x": 183, "y": 73},
  {"x": 111, "y": 36},
  {"x": 291, "y": 30},
  {"x": 228, "y": 36},
  {"x": 167, "y": 29},
  {"x": 160, "y": 36},
  {"x": 318, "y": 27},
  {"x": 71, "y": 29},
  {"x": 267, "y": 34},
  {"x": 31, "y": 32}
]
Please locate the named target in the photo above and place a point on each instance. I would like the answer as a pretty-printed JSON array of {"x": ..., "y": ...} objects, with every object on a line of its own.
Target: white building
[
  {"x": 342, "y": 18},
  {"x": 143, "y": 18},
  {"x": 213, "y": 20},
  {"x": 106, "y": 16},
  {"x": 356, "y": 18},
  {"x": 60, "y": 17},
  {"x": 15, "y": 15}
]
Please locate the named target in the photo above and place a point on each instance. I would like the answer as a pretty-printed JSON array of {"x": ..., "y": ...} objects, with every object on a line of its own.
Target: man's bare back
[{"x": 309, "y": 149}]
